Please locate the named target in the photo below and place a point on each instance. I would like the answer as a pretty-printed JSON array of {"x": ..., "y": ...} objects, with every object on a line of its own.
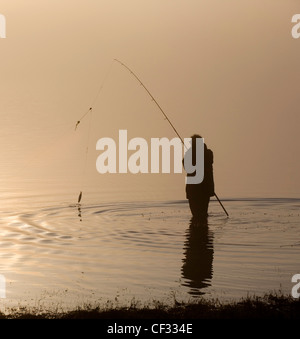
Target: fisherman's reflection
[{"x": 197, "y": 265}]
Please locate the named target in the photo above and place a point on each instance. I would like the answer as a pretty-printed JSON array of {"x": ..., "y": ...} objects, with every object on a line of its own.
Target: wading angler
[
  {"x": 138, "y": 161},
  {"x": 133, "y": 156}
]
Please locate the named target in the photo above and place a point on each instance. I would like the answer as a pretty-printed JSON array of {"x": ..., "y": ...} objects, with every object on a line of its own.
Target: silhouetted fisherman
[{"x": 199, "y": 194}]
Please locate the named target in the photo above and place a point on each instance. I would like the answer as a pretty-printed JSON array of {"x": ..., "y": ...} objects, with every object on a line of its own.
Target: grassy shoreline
[{"x": 269, "y": 306}]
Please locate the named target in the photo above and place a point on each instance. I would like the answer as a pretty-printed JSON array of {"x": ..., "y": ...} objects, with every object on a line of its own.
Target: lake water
[{"x": 56, "y": 254}]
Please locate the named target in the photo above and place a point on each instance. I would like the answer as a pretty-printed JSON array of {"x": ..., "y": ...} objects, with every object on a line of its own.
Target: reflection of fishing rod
[{"x": 165, "y": 115}]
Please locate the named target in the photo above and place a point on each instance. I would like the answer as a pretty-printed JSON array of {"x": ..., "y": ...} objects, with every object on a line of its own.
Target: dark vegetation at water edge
[{"x": 270, "y": 306}]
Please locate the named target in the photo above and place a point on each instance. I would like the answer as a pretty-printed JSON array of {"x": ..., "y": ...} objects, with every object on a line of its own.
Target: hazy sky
[{"x": 228, "y": 70}]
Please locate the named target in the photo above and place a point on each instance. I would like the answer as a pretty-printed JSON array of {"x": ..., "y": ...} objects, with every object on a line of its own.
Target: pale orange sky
[{"x": 228, "y": 70}]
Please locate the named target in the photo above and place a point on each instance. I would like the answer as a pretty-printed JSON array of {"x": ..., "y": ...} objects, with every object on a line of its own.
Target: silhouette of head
[
  {"x": 193, "y": 141},
  {"x": 195, "y": 136}
]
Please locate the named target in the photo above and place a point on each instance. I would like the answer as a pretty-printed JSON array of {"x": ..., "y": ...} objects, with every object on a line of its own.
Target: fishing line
[
  {"x": 89, "y": 111},
  {"x": 96, "y": 97},
  {"x": 86, "y": 154}
]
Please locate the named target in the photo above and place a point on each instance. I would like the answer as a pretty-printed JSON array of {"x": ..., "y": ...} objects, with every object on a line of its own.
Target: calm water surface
[{"x": 55, "y": 253}]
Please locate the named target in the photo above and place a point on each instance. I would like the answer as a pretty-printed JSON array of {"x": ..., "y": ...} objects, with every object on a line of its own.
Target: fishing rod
[
  {"x": 157, "y": 104},
  {"x": 165, "y": 115},
  {"x": 221, "y": 204},
  {"x": 152, "y": 97}
]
